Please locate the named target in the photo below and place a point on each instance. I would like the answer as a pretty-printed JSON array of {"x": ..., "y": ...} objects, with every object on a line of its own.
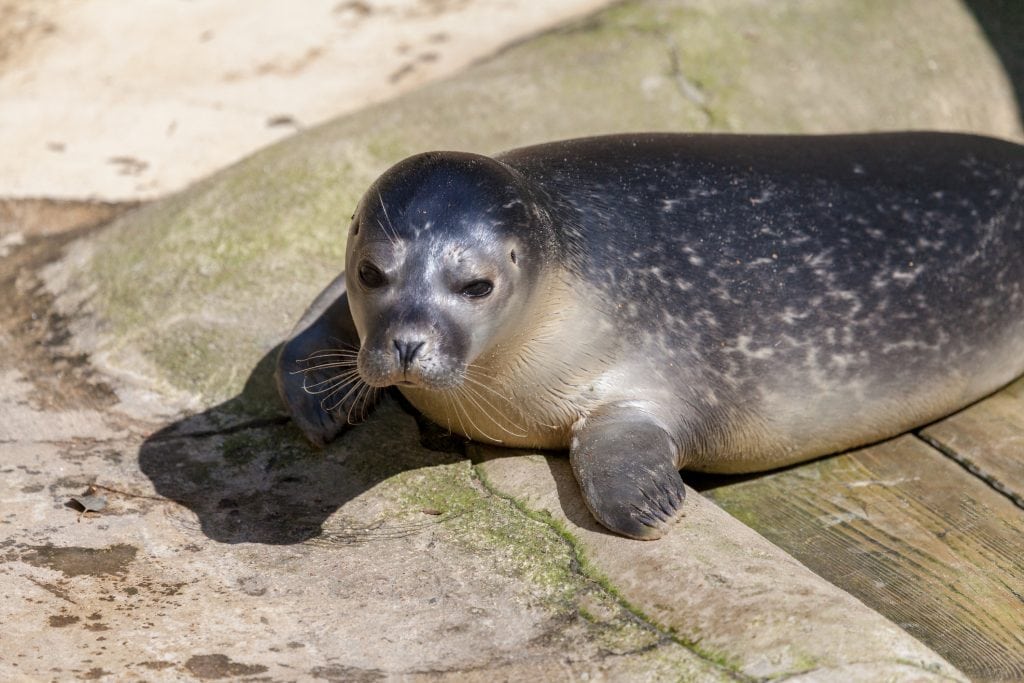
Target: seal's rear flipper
[{"x": 314, "y": 369}]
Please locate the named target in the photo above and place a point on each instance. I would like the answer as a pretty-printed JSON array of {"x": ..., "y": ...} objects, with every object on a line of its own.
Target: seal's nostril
[{"x": 407, "y": 351}]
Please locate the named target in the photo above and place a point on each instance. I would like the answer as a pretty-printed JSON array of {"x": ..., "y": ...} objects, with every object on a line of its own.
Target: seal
[{"x": 658, "y": 302}]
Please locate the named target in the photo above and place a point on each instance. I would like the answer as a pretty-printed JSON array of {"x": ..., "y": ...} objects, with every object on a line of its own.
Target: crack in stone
[
  {"x": 689, "y": 90},
  {"x": 50, "y": 588},
  {"x": 933, "y": 670}
]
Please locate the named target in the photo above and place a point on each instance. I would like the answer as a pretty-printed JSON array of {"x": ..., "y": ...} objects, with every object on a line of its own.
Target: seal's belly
[{"x": 800, "y": 412}]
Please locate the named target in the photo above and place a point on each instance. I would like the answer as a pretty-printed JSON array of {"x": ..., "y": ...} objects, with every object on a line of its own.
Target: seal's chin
[
  {"x": 440, "y": 382},
  {"x": 435, "y": 380}
]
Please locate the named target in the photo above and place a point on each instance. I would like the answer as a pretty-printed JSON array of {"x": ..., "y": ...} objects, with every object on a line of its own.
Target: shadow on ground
[
  {"x": 250, "y": 477},
  {"x": 1003, "y": 24}
]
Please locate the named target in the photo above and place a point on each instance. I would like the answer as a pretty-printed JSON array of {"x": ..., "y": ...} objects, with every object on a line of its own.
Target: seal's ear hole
[{"x": 513, "y": 256}]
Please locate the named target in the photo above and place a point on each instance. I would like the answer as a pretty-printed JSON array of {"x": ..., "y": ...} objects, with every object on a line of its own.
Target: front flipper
[
  {"x": 625, "y": 463},
  {"x": 315, "y": 369}
]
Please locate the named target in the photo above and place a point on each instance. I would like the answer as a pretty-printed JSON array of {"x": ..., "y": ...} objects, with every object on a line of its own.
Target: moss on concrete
[
  {"x": 601, "y": 597},
  {"x": 523, "y": 547},
  {"x": 489, "y": 524}
]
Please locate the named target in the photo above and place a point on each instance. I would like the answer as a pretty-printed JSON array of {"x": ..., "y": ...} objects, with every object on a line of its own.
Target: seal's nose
[{"x": 407, "y": 351}]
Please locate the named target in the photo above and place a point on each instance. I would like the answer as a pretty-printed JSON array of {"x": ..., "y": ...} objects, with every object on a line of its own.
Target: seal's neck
[{"x": 529, "y": 388}]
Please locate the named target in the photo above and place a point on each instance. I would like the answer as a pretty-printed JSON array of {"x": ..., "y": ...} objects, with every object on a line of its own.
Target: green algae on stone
[
  {"x": 601, "y": 586},
  {"x": 519, "y": 545},
  {"x": 529, "y": 550}
]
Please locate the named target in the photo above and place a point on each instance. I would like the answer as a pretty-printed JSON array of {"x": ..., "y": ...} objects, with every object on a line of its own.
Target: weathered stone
[
  {"x": 242, "y": 554},
  {"x": 718, "y": 586}
]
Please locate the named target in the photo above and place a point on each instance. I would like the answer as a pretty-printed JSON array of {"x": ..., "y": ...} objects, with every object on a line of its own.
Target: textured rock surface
[
  {"x": 227, "y": 548},
  {"x": 244, "y": 554},
  {"x": 719, "y": 586}
]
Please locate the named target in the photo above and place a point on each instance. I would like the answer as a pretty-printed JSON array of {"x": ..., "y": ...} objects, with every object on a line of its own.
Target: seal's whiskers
[
  {"x": 447, "y": 413},
  {"x": 329, "y": 383},
  {"x": 528, "y": 416},
  {"x": 393, "y": 240},
  {"x": 486, "y": 386},
  {"x": 365, "y": 398},
  {"x": 331, "y": 352},
  {"x": 329, "y": 358},
  {"x": 448, "y": 394},
  {"x": 475, "y": 397},
  {"x": 325, "y": 366},
  {"x": 355, "y": 387},
  {"x": 458, "y": 394}
]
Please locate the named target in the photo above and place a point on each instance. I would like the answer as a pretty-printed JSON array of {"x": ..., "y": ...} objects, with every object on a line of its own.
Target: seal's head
[{"x": 444, "y": 253}]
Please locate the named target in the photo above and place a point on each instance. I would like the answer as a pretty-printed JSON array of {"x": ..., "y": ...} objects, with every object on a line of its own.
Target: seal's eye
[
  {"x": 477, "y": 289},
  {"x": 370, "y": 276}
]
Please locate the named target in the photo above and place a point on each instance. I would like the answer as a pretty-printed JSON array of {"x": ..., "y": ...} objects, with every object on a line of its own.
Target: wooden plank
[
  {"x": 988, "y": 439},
  {"x": 913, "y": 535}
]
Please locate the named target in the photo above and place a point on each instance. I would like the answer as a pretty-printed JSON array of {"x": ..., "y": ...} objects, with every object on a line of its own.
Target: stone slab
[{"x": 721, "y": 587}]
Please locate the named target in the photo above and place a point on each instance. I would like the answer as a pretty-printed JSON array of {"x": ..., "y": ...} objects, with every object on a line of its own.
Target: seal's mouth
[{"x": 429, "y": 373}]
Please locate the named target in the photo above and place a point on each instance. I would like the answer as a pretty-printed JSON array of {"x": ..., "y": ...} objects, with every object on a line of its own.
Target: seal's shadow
[{"x": 249, "y": 476}]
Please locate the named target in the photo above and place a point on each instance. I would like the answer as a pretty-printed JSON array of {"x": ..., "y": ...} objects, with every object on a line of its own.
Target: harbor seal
[{"x": 658, "y": 302}]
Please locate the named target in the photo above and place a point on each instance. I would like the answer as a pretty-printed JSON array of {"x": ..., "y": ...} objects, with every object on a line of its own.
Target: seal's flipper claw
[
  {"x": 626, "y": 467},
  {"x": 312, "y": 366}
]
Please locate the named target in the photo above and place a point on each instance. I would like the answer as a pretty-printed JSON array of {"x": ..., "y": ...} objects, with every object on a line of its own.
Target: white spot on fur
[
  {"x": 742, "y": 345},
  {"x": 791, "y": 315},
  {"x": 908, "y": 275}
]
